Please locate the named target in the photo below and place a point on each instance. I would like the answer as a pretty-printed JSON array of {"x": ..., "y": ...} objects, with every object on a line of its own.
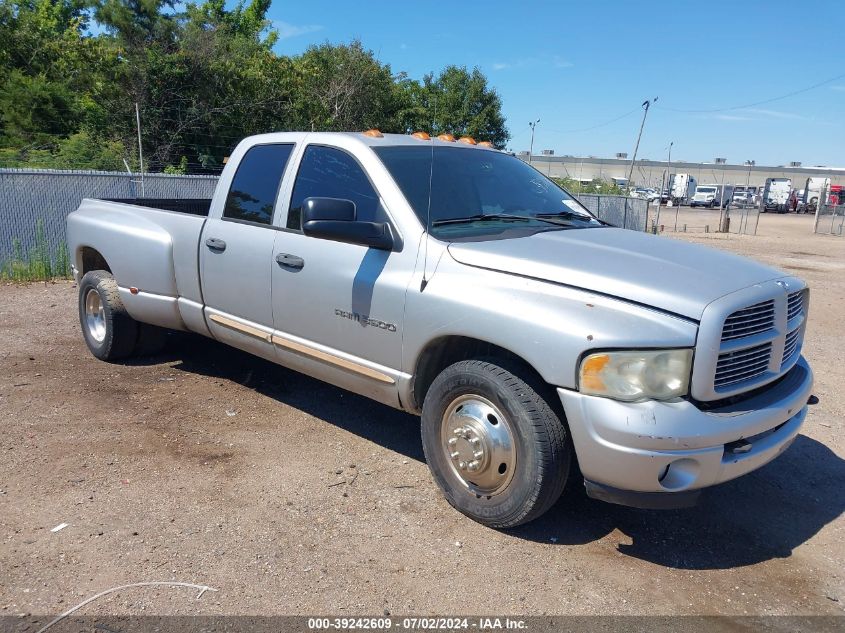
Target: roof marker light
[
  {"x": 467, "y": 139},
  {"x": 423, "y": 136},
  {"x": 446, "y": 137},
  {"x": 485, "y": 144},
  {"x": 373, "y": 133}
]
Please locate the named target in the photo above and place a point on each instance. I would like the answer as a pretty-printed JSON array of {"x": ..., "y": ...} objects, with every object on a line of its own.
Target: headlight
[{"x": 636, "y": 375}]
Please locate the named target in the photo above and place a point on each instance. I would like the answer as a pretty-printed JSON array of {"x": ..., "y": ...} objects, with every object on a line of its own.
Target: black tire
[
  {"x": 543, "y": 453},
  {"x": 120, "y": 332}
]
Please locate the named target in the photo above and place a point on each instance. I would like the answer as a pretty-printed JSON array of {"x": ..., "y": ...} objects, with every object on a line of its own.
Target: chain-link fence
[
  {"x": 34, "y": 200},
  {"x": 829, "y": 219},
  {"x": 739, "y": 220},
  {"x": 621, "y": 211}
]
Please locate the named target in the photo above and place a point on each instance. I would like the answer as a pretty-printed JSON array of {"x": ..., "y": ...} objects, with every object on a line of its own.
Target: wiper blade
[
  {"x": 485, "y": 217},
  {"x": 572, "y": 215}
]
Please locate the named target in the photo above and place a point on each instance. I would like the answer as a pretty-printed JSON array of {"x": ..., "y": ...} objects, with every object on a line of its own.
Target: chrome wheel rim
[
  {"x": 478, "y": 443},
  {"x": 95, "y": 316}
]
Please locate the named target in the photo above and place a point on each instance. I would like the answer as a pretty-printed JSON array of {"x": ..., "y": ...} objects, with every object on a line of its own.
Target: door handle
[
  {"x": 216, "y": 244},
  {"x": 289, "y": 261}
]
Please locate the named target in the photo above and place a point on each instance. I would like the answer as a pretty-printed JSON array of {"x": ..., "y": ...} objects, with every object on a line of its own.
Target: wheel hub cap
[
  {"x": 478, "y": 443},
  {"x": 95, "y": 316}
]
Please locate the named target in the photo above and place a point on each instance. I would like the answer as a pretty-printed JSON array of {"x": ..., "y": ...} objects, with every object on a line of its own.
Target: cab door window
[{"x": 328, "y": 172}]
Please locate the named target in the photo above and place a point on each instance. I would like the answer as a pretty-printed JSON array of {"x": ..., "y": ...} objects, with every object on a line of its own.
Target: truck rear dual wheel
[
  {"x": 493, "y": 443},
  {"x": 110, "y": 333}
]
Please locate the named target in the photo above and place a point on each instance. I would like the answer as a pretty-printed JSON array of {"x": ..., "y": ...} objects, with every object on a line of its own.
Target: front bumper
[{"x": 677, "y": 447}]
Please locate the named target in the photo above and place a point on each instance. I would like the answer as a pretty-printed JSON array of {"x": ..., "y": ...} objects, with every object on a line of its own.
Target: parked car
[
  {"x": 743, "y": 199},
  {"x": 456, "y": 282},
  {"x": 646, "y": 193}
]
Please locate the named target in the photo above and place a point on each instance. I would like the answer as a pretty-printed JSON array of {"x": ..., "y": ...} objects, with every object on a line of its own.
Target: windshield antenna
[{"x": 424, "y": 281}]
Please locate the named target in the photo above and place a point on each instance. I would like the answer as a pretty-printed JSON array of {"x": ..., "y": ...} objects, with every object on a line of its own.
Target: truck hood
[{"x": 664, "y": 273}]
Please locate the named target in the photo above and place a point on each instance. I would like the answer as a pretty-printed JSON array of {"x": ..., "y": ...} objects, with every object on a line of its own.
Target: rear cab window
[{"x": 252, "y": 195}]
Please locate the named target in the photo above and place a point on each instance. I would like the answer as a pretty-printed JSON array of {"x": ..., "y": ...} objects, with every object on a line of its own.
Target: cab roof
[{"x": 383, "y": 140}]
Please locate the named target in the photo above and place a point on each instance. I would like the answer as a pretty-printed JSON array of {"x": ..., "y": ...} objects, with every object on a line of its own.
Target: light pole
[
  {"x": 646, "y": 105},
  {"x": 532, "y": 125}
]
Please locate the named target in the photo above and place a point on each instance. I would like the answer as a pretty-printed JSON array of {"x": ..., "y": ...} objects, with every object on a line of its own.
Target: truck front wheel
[
  {"x": 109, "y": 331},
  {"x": 494, "y": 445}
]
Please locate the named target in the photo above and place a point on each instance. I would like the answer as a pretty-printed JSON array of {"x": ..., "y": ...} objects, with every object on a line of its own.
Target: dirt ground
[{"x": 288, "y": 496}]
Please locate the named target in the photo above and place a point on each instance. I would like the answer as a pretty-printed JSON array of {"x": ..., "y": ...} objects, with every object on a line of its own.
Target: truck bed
[{"x": 192, "y": 206}]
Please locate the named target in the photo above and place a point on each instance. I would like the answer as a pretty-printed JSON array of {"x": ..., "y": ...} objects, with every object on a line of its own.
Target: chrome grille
[
  {"x": 794, "y": 305},
  {"x": 749, "y": 321},
  {"x": 741, "y": 365},
  {"x": 749, "y": 338},
  {"x": 790, "y": 345}
]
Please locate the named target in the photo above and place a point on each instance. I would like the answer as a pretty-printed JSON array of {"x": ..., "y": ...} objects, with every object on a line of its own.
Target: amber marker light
[
  {"x": 373, "y": 134},
  {"x": 421, "y": 136},
  {"x": 591, "y": 371},
  {"x": 485, "y": 144},
  {"x": 467, "y": 139},
  {"x": 446, "y": 137}
]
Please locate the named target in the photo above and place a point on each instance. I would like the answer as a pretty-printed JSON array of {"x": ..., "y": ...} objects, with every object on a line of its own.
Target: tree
[
  {"x": 344, "y": 87},
  {"x": 204, "y": 76},
  {"x": 458, "y": 102}
]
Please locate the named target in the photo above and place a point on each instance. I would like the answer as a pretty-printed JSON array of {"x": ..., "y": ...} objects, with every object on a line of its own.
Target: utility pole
[
  {"x": 532, "y": 125},
  {"x": 646, "y": 105},
  {"x": 749, "y": 164},
  {"x": 724, "y": 223},
  {"x": 667, "y": 181},
  {"x": 140, "y": 150}
]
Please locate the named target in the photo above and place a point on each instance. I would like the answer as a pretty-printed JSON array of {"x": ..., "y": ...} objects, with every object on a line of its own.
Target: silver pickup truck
[{"x": 451, "y": 280}]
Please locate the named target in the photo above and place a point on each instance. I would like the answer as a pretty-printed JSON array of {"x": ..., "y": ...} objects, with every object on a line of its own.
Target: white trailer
[
  {"x": 776, "y": 194},
  {"x": 681, "y": 188}
]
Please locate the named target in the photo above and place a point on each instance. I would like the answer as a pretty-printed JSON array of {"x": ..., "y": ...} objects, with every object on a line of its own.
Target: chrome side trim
[
  {"x": 240, "y": 327},
  {"x": 332, "y": 359}
]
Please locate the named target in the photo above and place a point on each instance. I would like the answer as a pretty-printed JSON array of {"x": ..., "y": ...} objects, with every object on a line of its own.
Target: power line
[
  {"x": 758, "y": 103},
  {"x": 594, "y": 127}
]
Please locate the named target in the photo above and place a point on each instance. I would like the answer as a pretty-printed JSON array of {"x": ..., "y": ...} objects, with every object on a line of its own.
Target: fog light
[{"x": 680, "y": 474}]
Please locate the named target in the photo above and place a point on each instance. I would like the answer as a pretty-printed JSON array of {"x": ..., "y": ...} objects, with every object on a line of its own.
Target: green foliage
[
  {"x": 457, "y": 102},
  {"x": 575, "y": 187},
  {"x": 204, "y": 76},
  {"x": 36, "y": 264},
  {"x": 178, "y": 170}
]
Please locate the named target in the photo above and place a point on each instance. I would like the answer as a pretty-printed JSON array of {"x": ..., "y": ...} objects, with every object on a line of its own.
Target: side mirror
[
  {"x": 334, "y": 219},
  {"x": 328, "y": 209}
]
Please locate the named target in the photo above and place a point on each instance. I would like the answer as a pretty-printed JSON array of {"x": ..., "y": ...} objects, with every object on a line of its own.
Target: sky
[{"x": 580, "y": 66}]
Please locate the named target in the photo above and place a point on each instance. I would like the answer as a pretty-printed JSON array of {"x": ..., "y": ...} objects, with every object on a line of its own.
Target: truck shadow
[{"x": 761, "y": 516}]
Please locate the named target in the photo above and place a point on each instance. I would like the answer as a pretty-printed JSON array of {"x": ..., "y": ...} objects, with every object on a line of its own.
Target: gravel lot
[{"x": 289, "y": 496}]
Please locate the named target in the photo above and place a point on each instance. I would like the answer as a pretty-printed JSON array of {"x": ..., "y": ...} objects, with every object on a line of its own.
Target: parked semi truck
[
  {"x": 682, "y": 188},
  {"x": 712, "y": 196},
  {"x": 776, "y": 194},
  {"x": 814, "y": 190},
  {"x": 539, "y": 344}
]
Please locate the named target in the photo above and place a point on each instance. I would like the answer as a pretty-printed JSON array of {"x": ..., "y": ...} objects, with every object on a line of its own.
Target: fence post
[{"x": 625, "y": 215}]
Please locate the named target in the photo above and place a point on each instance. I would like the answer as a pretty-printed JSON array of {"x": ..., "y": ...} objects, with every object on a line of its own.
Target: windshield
[
  {"x": 705, "y": 190},
  {"x": 477, "y": 193}
]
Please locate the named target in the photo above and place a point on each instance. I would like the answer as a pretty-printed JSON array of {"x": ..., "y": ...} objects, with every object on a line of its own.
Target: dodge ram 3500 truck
[{"x": 452, "y": 280}]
